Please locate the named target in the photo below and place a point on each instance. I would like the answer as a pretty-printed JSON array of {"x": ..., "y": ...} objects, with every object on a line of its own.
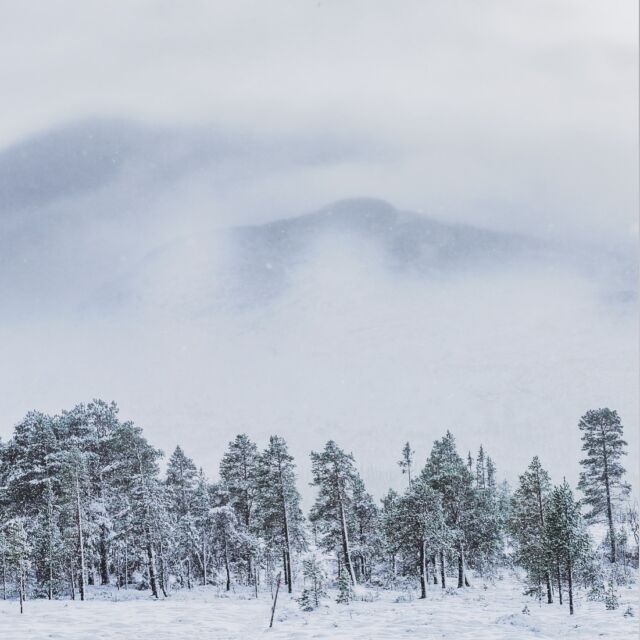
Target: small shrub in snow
[
  {"x": 526, "y": 611},
  {"x": 404, "y": 597},
  {"x": 315, "y": 576},
  {"x": 345, "y": 595},
  {"x": 450, "y": 591},
  {"x": 306, "y": 601},
  {"x": 629, "y": 612},
  {"x": 611, "y": 597}
]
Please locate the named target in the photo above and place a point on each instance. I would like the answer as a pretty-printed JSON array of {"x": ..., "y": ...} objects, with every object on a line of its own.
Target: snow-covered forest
[{"x": 88, "y": 508}]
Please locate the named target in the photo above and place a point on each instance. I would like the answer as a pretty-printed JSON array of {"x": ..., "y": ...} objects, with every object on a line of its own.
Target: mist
[{"x": 167, "y": 177}]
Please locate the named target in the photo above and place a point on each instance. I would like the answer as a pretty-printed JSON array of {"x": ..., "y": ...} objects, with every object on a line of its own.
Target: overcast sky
[
  {"x": 133, "y": 133},
  {"x": 523, "y": 111}
]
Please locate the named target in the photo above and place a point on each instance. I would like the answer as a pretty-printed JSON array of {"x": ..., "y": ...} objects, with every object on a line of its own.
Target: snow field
[{"x": 209, "y": 614}]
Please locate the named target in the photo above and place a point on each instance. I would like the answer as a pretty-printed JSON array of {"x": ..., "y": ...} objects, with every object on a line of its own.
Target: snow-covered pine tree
[
  {"x": 391, "y": 538},
  {"x": 481, "y": 474},
  {"x": 345, "y": 593},
  {"x": 315, "y": 578},
  {"x": 227, "y": 538},
  {"x": 102, "y": 420},
  {"x": 485, "y": 538},
  {"x": 334, "y": 475},
  {"x": 48, "y": 548},
  {"x": 406, "y": 461},
  {"x": 280, "y": 519},
  {"x": 237, "y": 472},
  {"x": 601, "y": 481},
  {"x": 446, "y": 473},
  {"x": 420, "y": 526},
  {"x": 180, "y": 488},
  {"x": 17, "y": 555},
  {"x": 181, "y": 480},
  {"x": 566, "y": 535},
  {"x": 365, "y": 540},
  {"x": 136, "y": 474},
  {"x": 200, "y": 521},
  {"x": 491, "y": 474},
  {"x": 527, "y": 526}
]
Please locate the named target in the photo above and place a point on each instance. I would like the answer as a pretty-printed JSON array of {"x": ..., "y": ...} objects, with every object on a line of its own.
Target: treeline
[{"x": 83, "y": 502}]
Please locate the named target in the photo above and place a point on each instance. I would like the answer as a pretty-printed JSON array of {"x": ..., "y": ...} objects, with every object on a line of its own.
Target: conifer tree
[
  {"x": 228, "y": 539},
  {"x": 237, "y": 472},
  {"x": 334, "y": 475},
  {"x": 17, "y": 554},
  {"x": 366, "y": 539},
  {"x": 481, "y": 476},
  {"x": 566, "y": 535},
  {"x": 315, "y": 584},
  {"x": 447, "y": 474},
  {"x": 420, "y": 521},
  {"x": 406, "y": 462},
  {"x": 527, "y": 525},
  {"x": 392, "y": 542},
  {"x": 278, "y": 503},
  {"x": 601, "y": 481}
]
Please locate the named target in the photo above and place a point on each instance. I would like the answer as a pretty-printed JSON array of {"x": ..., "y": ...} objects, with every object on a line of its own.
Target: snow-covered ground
[{"x": 207, "y": 614}]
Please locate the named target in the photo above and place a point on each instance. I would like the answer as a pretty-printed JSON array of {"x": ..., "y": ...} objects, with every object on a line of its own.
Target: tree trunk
[
  {"x": 72, "y": 571},
  {"x": 126, "y": 565},
  {"x": 559, "y": 579},
  {"x": 541, "y": 516},
  {"x": 289, "y": 578},
  {"x": 4, "y": 576},
  {"x": 189, "y": 573},
  {"x": 345, "y": 542},
  {"x": 162, "y": 571},
  {"x": 570, "y": 585},
  {"x": 423, "y": 571},
  {"x": 461, "y": 576},
  {"x": 612, "y": 531},
  {"x": 284, "y": 567},
  {"x": 226, "y": 564},
  {"x": 442, "y": 575},
  {"x": 204, "y": 562},
  {"x": 151, "y": 560},
  {"x": 20, "y": 589},
  {"x": 433, "y": 569},
  {"x": 104, "y": 552},
  {"x": 80, "y": 538},
  {"x": 50, "y": 527},
  {"x": 285, "y": 522}
]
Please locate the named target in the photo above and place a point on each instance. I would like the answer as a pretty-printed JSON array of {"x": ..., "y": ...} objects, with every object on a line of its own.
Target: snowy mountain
[{"x": 357, "y": 318}]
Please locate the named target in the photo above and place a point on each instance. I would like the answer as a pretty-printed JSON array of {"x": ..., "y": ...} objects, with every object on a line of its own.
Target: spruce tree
[
  {"x": 334, "y": 475},
  {"x": 281, "y": 522},
  {"x": 601, "y": 481},
  {"x": 366, "y": 539},
  {"x": 421, "y": 527},
  {"x": 406, "y": 462},
  {"x": 447, "y": 474},
  {"x": 391, "y": 534},
  {"x": 566, "y": 535},
  {"x": 315, "y": 579},
  {"x": 527, "y": 526},
  {"x": 17, "y": 555},
  {"x": 237, "y": 472}
]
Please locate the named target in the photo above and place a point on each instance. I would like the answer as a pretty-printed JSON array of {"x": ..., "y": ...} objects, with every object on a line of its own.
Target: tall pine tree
[{"x": 601, "y": 481}]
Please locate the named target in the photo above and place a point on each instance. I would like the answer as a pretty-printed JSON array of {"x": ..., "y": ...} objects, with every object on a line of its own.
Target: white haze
[
  {"x": 508, "y": 357},
  {"x": 134, "y": 136}
]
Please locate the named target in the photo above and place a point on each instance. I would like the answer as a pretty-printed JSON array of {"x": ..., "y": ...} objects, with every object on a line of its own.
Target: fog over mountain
[
  {"x": 357, "y": 321},
  {"x": 345, "y": 220}
]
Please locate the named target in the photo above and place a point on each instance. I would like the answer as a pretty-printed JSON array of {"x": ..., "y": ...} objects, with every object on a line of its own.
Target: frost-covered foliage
[{"x": 83, "y": 502}]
